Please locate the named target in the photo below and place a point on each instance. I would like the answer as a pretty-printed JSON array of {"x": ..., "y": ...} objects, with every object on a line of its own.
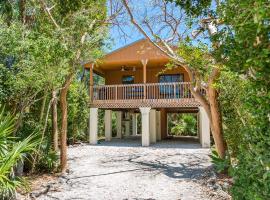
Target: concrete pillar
[
  {"x": 153, "y": 126},
  {"x": 119, "y": 124},
  {"x": 108, "y": 125},
  {"x": 158, "y": 118},
  {"x": 204, "y": 125},
  {"x": 134, "y": 124},
  {"x": 145, "y": 126},
  {"x": 93, "y": 126},
  {"x": 127, "y": 125}
]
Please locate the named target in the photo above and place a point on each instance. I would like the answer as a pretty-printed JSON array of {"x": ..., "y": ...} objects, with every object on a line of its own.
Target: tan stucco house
[{"x": 136, "y": 82}]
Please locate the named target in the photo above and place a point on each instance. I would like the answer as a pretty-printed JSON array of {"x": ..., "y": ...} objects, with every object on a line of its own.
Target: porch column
[
  {"x": 153, "y": 126},
  {"x": 158, "y": 118},
  {"x": 204, "y": 131},
  {"x": 144, "y": 63},
  {"x": 93, "y": 126},
  {"x": 134, "y": 124},
  {"x": 145, "y": 126},
  {"x": 108, "y": 125},
  {"x": 119, "y": 124},
  {"x": 91, "y": 82},
  {"x": 127, "y": 124}
]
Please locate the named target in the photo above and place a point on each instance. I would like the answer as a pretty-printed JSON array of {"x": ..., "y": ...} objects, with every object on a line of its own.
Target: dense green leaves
[
  {"x": 246, "y": 95},
  {"x": 78, "y": 112},
  {"x": 182, "y": 124},
  {"x": 193, "y": 7},
  {"x": 11, "y": 153},
  {"x": 36, "y": 56}
]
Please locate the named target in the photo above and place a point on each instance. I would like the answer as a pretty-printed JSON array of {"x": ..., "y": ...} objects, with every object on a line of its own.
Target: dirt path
[{"x": 121, "y": 169}]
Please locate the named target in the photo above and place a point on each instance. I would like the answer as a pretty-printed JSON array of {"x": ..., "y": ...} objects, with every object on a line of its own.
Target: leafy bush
[
  {"x": 245, "y": 44},
  {"x": 182, "y": 124},
  {"x": 221, "y": 165},
  {"x": 78, "y": 112},
  {"x": 12, "y": 152},
  {"x": 48, "y": 161}
]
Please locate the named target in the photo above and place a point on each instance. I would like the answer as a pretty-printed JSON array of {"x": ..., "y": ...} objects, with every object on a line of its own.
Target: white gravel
[{"x": 122, "y": 169}]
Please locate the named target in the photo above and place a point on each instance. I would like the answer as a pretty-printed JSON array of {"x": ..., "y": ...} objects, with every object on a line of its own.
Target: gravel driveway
[{"x": 122, "y": 169}]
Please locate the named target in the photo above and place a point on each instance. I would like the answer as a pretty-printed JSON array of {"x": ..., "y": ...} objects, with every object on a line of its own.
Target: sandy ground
[{"x": 122, "y": 169}]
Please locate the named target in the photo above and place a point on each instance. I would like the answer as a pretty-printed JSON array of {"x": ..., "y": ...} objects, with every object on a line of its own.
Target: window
[
  {"x": 128, "y": 79},
  {"x": 166, "y": 90},
  {"x": 170, "y": 78}
]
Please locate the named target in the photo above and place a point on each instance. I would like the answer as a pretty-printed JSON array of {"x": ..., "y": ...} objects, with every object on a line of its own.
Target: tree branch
[{"x": 48, "y": 11}]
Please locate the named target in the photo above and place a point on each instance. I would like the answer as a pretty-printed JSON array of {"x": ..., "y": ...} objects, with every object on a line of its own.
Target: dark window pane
[
  {"x": 169, "y": 78},
  {"x": 128, "y": 79}
]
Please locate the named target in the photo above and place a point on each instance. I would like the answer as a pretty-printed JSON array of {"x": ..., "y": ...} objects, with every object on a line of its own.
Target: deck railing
[{"x": 140, "y": 92}]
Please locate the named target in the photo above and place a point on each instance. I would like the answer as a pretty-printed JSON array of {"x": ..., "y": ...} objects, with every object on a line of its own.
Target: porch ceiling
[{"x": 183, "y": 103}]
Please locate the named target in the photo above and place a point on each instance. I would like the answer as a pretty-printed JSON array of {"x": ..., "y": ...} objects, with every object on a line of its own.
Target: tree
[
  {"x": 201, "y": 66},
  {"x": 81, "y": 27}
]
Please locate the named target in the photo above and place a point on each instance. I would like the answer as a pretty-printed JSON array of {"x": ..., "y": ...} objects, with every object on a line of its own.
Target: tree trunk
[
  {"x": 64, "y": 107},
  {"x": 216, "y": 122},
  {"x": 43, "y": 106},
  {"x": 54, "y": 121},
  {"x": 22, "y": 9}
]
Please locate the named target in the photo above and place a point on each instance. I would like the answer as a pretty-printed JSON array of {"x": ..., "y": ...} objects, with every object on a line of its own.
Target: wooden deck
[{"x": 155, "y": 95}]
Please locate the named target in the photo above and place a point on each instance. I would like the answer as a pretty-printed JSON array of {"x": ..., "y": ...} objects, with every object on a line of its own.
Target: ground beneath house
[{"x": 122, "y": 169}]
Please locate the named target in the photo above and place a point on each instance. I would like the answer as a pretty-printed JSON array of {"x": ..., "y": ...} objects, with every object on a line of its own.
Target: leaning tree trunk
[
  {"x": 64, "y": 106},
  {"x": 54, "y": 121},
  {"x": 216, "y": 122}
]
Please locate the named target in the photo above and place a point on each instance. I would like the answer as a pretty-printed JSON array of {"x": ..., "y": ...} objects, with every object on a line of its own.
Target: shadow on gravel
[
  {"x": 136, "y": 142},
  {"x": 182, "y": 171}
]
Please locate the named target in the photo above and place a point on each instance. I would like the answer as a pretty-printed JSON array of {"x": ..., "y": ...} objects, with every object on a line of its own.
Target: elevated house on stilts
[{"x": 136, "y": 82}]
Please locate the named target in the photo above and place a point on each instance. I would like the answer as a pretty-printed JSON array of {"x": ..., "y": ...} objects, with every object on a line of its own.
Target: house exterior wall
[{"x": 115, "y": 76}]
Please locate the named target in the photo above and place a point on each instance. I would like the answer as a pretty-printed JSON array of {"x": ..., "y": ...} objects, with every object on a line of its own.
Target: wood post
[
  {"x": 144, "y": 62},
  {"x": 91, "y": 83}
]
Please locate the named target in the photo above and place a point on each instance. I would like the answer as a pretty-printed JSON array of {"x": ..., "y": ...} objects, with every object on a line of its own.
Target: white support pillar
[
  {"x": 158, "y": 118},
  {"x": 93, "y": 126},
  {"x": 153, "y": 126},
  {"x": 127, "y": 125},
  {"x": 108, "y": 125},
  {"x": 204, "y": 125},
  {"x": 145, "y": 126},
  {"x": 134, "y": 124},
  {"x": 119, "y": 124}
]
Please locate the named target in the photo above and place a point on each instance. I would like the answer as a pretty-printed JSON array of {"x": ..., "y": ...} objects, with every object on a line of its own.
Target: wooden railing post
[
  {"x": 174, "y": 90},
  {"x": 116, "y": 93}
]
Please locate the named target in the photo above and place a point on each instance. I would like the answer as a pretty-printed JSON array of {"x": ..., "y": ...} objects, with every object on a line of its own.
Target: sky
[
  {"x": 118, "y": 41},
  {"x": 131, "y": 33},
  {"x": 142, "y": 8}
]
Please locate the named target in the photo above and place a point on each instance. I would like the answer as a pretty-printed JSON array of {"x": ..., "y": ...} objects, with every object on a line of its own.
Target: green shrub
[
  {"x": 220, "y": 165},
  {"x": 48, "y": 162},
  {"x": 182, "y": 124},
  {"x": 12, "y": 152},
  {"x": 78, "y": 112}
]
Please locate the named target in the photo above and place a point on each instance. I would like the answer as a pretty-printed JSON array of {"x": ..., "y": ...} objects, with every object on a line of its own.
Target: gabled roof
[{"x": 131, "y": 55}]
